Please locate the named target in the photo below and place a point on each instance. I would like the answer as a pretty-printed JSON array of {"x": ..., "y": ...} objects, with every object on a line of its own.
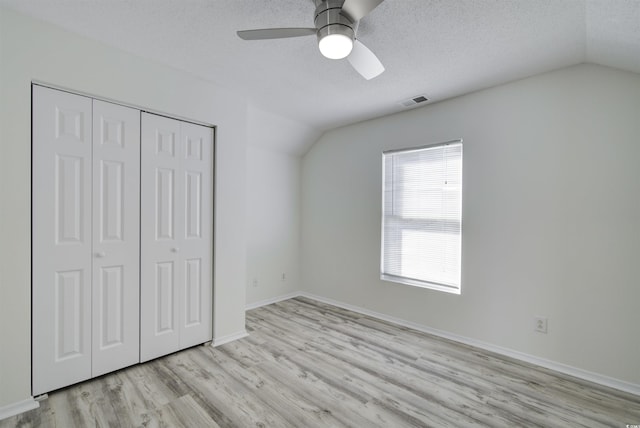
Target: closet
[{"x": 122, "y": 216}]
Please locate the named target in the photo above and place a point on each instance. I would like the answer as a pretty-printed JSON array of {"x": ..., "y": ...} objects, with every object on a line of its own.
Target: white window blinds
[{"x": 421, "y": 218}]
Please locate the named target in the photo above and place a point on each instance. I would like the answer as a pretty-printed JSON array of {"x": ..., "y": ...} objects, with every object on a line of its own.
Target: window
[{"x": 421, "y": 216}]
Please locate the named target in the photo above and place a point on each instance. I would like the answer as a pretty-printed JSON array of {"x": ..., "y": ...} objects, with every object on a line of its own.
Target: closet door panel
[
  {"x": 116, "y": 220},
  {"x": 197, "y": 235},
  {"x": 161, "y": 269},
  {"x": 61, "y": 239}
]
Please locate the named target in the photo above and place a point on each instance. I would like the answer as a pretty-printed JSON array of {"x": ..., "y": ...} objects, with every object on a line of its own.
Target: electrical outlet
[
  {"x": 540, "y": 324},
  {"x": 255, "y": 282},
  {"x": 284, "y": 277}
]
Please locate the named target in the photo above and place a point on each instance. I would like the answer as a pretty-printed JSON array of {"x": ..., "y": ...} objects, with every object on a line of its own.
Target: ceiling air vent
[{"x": 414, "y": 101}]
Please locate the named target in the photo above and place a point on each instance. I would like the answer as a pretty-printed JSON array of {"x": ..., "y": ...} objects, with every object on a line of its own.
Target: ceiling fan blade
[
  {"x": 275, "y": 33},
  {"x": 364, "y": 61},
  {"x": 357, "y": 9}
]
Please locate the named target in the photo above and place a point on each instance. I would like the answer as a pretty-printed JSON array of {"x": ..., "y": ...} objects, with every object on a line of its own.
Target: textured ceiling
[{"x": 439, "y": 48}]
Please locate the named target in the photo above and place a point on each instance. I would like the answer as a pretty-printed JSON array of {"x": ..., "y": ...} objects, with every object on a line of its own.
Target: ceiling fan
[{"x": 336, "y": 23}]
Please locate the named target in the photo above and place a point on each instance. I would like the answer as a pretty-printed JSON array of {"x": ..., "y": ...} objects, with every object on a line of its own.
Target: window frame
[{"x": 415, "y": 223}]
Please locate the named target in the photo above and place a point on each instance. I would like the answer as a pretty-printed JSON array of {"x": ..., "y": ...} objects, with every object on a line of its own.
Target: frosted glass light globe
[{"x": 335, "y": 46}]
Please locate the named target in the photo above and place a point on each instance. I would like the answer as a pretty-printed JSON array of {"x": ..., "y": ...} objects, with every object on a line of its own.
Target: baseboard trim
[
  {"x": 17, "y": 408},
  {"x": 217, "y": 341},
  {"x": 618, "y": 384},
  {"x": 272, "y": 300}
]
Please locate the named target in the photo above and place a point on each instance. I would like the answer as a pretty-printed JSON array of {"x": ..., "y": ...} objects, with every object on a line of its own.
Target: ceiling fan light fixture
[
  {"x": 335, "y": 46},
  {"x": 336, "y": 22}
]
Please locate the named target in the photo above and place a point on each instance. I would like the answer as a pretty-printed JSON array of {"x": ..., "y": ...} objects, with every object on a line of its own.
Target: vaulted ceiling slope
[{"x": 436, "y": 48}]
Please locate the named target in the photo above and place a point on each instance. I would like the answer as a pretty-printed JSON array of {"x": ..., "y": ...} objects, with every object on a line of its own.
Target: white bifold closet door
[
  {"x": 176, "y": 235},
  {"x": 85, "y": 238},
  {"x": 116, "y": 237}
]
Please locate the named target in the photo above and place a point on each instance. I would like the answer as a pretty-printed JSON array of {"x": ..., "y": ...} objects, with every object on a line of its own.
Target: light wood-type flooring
[{"x": 308, "y": 364}]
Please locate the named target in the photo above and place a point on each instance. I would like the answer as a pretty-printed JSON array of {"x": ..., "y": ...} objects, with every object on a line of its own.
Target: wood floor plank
[
  {"x": 516, "y": 376},
  {"x": 303, "y": 396},
  {"x": 216, "y": 386},
  {"x": 309, "y": 364},
  {"x": 364, "y": 368},
  {"x": 184, "y": 412}
]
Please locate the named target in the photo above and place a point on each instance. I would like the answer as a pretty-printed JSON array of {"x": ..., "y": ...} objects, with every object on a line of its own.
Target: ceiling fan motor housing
[{"x": 329, "y": 20}]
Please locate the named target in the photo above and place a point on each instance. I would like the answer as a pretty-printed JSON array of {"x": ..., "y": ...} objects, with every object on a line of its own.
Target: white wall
[
  {"x": 33, "y": 50},
  {"x": 273, "y": 203},
  {"x": 272, "y": 131},
  {"x": 551, "y": 212},
  {"x": 273, "y": 224}
]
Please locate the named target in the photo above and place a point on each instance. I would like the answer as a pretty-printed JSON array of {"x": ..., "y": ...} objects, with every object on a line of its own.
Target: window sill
[{"x": 452, "y": 289}]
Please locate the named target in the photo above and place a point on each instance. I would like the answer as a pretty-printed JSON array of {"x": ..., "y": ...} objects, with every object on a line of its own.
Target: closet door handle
[
  {"x": 175, "y": 249},
  {"x": 101, "y": 254}
]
